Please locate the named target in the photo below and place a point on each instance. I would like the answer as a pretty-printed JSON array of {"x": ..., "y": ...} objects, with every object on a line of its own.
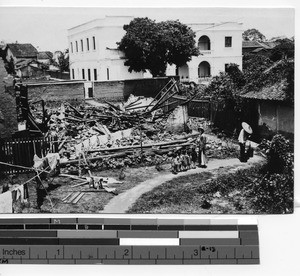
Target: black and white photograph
[{"x": 147, "y": 110}]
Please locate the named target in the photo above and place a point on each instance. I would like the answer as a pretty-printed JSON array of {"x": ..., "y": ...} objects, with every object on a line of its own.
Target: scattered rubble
[{"x": 116, "y": 135}]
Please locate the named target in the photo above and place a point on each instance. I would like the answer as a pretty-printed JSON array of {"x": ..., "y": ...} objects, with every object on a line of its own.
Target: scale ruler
[{"x": 128, "y": 241}]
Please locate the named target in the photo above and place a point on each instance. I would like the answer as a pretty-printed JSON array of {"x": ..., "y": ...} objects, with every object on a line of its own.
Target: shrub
[{"x": 274, "y": 193}]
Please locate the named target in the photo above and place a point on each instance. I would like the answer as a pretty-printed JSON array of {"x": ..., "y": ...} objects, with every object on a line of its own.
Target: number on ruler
[
  {"x": 126, "y": 252},
  {"x": 196, "y": 252}
]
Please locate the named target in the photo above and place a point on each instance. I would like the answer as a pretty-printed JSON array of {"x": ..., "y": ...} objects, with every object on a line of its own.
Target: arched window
[
  {"x": 204, "y": 43},
  {"x": 204, "y": 69},
  {"x": 183, "y": 72}
]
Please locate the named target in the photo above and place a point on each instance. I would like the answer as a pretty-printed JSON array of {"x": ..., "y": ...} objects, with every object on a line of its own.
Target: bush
[{"x": 275, "y": 192}]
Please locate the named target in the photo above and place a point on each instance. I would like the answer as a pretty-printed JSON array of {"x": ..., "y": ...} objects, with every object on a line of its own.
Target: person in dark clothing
[
  {"x": 202, "y": 140},
  {"x": 194, "y": 157}
]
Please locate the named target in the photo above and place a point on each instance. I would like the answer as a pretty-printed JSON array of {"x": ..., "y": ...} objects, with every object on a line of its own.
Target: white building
[
  {"x": 219, "y": 45},
  {"x": 93, "y": 50},
  {"x": 94, "y": 55}
]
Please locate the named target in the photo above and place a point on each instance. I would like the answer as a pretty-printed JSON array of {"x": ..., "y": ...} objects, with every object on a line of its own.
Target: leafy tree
[
  {"x": 285, "y": 49},
  {"x": 179, "y": 39},
  {"x": 253, "y": 35},
  {"x": 253, "y": 68},
  {"x": 225, "y": 86},
  {"x": 63, "y": 61},
  {"x": 224, "y": 91},
  {"x": 151, "y": 46},
  {"x": 10, "y": 66}
]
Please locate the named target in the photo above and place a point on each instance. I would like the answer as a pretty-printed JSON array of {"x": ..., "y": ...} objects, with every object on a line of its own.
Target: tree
[
  {"x": 285, "y": 49},
  {"x": 253, "y": 35},
  {"x": 151, "y": 46},
  {"x": 10, "y": 66},
  {"x": 253, "y": 68},
  {"x": 63, "y": 61}
]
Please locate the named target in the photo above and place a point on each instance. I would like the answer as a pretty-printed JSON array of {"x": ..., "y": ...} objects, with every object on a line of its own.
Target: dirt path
[{"x": 122, "y": 202}]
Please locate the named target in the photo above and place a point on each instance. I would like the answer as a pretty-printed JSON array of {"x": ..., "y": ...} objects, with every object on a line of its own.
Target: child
[
  {"x": 187, "y": 160},
  {"x": 175, "y": 163},
  {"x": 194, "y": 157},
  {"x": 182, "y": 161}
]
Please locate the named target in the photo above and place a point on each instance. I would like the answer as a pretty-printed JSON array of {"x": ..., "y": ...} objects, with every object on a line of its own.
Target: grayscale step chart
[{"x": 128, "y": 241}]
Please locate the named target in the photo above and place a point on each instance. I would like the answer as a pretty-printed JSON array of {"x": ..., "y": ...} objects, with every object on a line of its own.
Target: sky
[{"x": 46, "y": 27}]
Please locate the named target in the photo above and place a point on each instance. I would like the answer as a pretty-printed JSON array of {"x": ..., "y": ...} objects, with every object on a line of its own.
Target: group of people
[{"x": 186, "y": 159}]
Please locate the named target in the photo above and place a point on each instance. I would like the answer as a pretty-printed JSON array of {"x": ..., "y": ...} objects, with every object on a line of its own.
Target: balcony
[
  {"x": 204, "y": 80},
  {"x": 205, "y": 52}
]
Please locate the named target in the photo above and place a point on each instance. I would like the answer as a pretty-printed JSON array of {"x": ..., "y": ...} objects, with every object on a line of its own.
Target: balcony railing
[
  {"x": 205, "y": 52},
  {"x": 206, "y": 80}
]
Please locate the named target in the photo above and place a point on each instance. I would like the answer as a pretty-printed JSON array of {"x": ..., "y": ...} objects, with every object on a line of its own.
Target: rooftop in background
[
  {"x": 25, "y": 50},
  {"x": 45, "y": 55},
  {"x": 107, "y": 21},
  {"x": 275, "y": 92}
]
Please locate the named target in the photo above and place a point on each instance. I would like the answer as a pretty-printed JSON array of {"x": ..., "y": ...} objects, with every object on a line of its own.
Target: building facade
[
  {"x": 94, "y": 55},
  {"x": 219, "y": 44},
  {"x": 93, "y": 50}
]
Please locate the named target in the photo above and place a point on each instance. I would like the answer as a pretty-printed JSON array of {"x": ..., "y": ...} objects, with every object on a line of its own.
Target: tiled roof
[
  {"x": 24, "y": 63},
  {"x": 256, "y": 44},
  {"x": 258, "y": 50},
  {"x": 22, "y": 50},
  {"x": 275, "y": 92},
  {"x": 45, "y": 55},
  {"x": 270, "y": 44},
  {"x": 251, "y": 44}
]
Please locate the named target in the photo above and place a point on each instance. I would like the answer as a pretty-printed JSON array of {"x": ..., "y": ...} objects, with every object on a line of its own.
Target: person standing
[
  {"x": 194, "y": 157},
  {"x": 243, "y": 137},
  {"x": 202, "y": 140}
]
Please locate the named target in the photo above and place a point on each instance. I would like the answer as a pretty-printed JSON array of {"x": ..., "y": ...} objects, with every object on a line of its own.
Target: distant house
[
  {"x": 19, "y": 52},
  {"x": 45, "y": 57},
  {"x": 256, "y": 47},
  {"x": 273, "y": 113},
  {"x": 29, "y": 69}
]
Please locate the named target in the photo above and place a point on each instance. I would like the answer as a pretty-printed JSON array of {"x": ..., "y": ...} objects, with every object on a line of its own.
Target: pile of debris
[{"x": 116, "y": 135}]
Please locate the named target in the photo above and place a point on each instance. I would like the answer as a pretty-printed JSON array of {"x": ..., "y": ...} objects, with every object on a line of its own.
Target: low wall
[
  {"x": 121, "y": 90},
  {"x": 103, "y": 90},
  {"x": 144, "y": 87},
  {"x": 109, "y": 90},
  {"x": 57, "y": 91}
]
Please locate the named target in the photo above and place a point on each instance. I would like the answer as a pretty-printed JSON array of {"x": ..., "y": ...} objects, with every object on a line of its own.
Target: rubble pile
[
  {"x": 117, "y": 135},
  {"x": 112, "y": 136}
]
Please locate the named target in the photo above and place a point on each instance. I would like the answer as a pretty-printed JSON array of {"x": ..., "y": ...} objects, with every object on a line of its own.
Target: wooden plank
[
  {"x": 80, "y": 184},
  {"x": 74, "y": 195},
  {"x": 65, "y": 198},
  {"x": 78, "y": 198}
]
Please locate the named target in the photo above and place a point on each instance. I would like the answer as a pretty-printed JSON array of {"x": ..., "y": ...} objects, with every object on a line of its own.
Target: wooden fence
[
  {"x": 20, "y": 151},
  {"x": 196, "y": 108}
]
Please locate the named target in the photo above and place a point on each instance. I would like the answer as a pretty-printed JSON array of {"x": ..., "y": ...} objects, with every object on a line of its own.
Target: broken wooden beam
[
  {"x": 75, "y": 161},
  {"x": 76, "y": 111},
  {"x": 138, "y": 146}
]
